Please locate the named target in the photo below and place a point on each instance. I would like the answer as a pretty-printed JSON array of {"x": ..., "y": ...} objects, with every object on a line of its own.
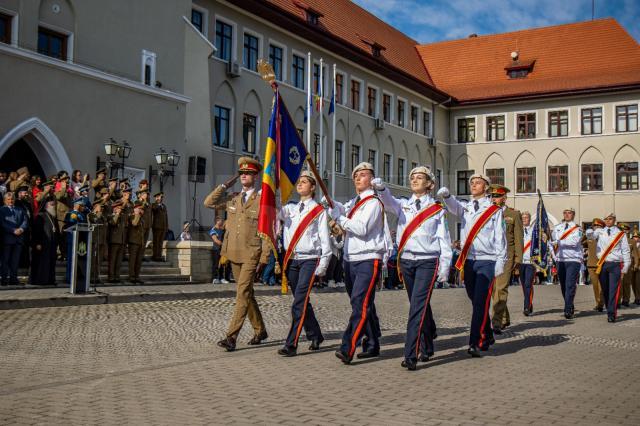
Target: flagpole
[
  {"x": 309, "y": 104},
  {"x": 333, "y": 135},
  {"x": 321, "y": 118}
]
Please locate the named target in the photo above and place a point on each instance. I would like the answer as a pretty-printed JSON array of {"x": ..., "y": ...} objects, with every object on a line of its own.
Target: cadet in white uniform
[{"x": 566, "y": 240}]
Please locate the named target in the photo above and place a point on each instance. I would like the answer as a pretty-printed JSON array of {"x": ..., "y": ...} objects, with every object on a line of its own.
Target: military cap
[
  {"x": 143, "y": 182},
  {"x": 624, "y": 226},
  {"x": 480, "y": 176},
  {"x": 424, "y": 170},
  {"x": 23, "y": 188},
  {"x": 103, "y": 171},
  {"x": 124, "y": 180},
  {"x": 159, "y": 194},
  {"x": 103, "y": 191},
  {"x": 597, "y": 222},
  {"x": 116, "y": 204},
  {"x": 49, "y": 182},
  {"x": 569, "y": 209},
  {"x": 248, "y": 164},
  {"x": 63, "y": 175},
  {"x": 612, "y": 215},
  {"x": 362, "y": 166},
  {"x": 142, "y": 191},
  {"x": 115, "y": 179},
  {"x": 79, "y": 200},
  {"x": 98, "y": 203},
  {"x": 636, "y": 234},
  {"x": 309, "y": 175},
  {"x": 138, "y": 203},
  {"x": 499, "y": 190},
  {"x": 126, "y": 189}
]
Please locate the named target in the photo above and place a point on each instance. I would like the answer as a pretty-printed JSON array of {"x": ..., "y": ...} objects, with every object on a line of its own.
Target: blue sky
[{"x": 429, "y": 21}]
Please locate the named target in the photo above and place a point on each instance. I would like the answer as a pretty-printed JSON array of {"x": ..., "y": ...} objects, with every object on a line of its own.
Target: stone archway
[{"x": 42, "y": 141}]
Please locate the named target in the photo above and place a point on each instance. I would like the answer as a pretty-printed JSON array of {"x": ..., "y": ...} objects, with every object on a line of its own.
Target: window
[
  {"x": 496, "y": 176},
  {"x": 338, "y": 154},
  {"x": 401, "y": 171},
  {"x": 249, "y": 133},
  {"x": 5, "y": 28},
  {"x": 316, "y": 149},
  {"x": 316, "y": 79},
  {"x": 297, "y": 71},
  {"x": 275, "y": 59},
  {"x": 355, "y": 95},
  {"x": 386, "y": 107},
  {"x": 526, "y": 180},
  {"x": 627, "y": 118},
  {"x": 558, "y": 178},
  {"x": 221, "y": 126},
  {"x": 355, "y": 156},
  {"x": 558, "y": 123},
  {"x": 518, "y": 73},
  {"x": 413, "y": 165},
  {"x": 148, "y": 68},
  {"x": 224, "y": 32},
  {"x": 495, "y": 128},
  {"x": 197, "y": 19},
  {"x": 591, "y": 177},
  {"x": 463, "y": 181},
  {"x": 426, "y": 123},
  {"x": 466, "y": 130},
  {"x": 386, "y": 168},
  {"x": 591, "y": 121},
  {"x": 52, "y": 44},
  {"x": 250, "y": 55},
  {"x": 626, "y": 176},
  {"x": 313, "y": 18},
  {"x": 339, "y": 88},
  {"x": 438, "y": 178},
  {"x": 372, "y": 98},
  {"x": 401, "y": 112},
  {"x": 414, "y": 119},
  {"x": 526, "y": 125},
  {"x": 373, "y": 159}
]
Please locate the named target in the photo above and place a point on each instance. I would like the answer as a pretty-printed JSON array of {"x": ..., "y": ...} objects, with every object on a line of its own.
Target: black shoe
[
  {"x": 611, "y": 318},
  {"x": 526, "y": 312},
  {"x": 599, "y": 308},
  {"x": 424, "y": 358},
  {"x": 497, "y": 330},
  {"x": 258, "y": 338},
  {"x": 568, "y": 315},
  {"x": 625, "y": 304},
  {"x": 636, "y": 302},
  {"x": 474, "y": 352},
  {"x": 492, "y": 341},
  {"x": 409, "y": 364},
  {"x": 228, "y": 343},
  {"x": 505, "y": 325},
  {"x": 4, "y": 284},
  {"x": 343, "y": 357},
  {"x": 315, "y": 344},
  {"x": 368, "y": 354},
  {"x": 287, "y": 351},
  {"x": 139, "y": 282}
]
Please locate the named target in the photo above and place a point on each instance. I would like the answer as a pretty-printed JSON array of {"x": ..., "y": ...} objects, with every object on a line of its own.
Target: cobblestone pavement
[{"x": 157, "y": 363}]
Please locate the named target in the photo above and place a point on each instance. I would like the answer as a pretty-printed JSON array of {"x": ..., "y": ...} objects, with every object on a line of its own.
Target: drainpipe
[{"x": 433, "y": 136}]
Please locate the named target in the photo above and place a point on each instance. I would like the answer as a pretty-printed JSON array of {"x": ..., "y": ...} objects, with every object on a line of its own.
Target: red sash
[
  {"x": 415, "y": 223},
  {"x": 300, "y": 230},
  {"x": 360, "y": 204},
  {"x": 473, "y": 233},
  {"x": 608, "y": 250},
  {"x": 526, "y": 246},
  {"x": 568, "y": 232}
]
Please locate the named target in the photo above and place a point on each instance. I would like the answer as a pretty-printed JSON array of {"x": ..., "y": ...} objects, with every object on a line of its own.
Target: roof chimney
[{"x": 474, "y": 35}]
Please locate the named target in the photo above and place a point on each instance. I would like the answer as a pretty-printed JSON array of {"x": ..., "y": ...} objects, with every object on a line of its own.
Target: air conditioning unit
[
  {"x": 233, "y": 69},
  {"x": 430, "y": 141},
  {"x": 379, "y": 123}
]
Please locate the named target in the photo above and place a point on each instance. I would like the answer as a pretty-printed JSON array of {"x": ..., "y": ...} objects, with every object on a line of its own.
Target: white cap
[
  {"x": 481, "y": 176},
  {"x": 309, "y": 175},
  {"x": 362, "y": 166},
  {"x": 424, "y": 170}
]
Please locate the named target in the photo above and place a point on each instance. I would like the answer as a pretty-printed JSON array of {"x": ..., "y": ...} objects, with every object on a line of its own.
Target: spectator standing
[
  {"x": 45, "y": 234},
  {"x": 14, "y": 224},
  {"x": 217, "y": 236}
]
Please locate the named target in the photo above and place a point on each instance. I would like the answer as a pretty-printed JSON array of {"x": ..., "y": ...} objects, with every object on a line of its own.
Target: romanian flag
[{"x": 285, "y": 156}]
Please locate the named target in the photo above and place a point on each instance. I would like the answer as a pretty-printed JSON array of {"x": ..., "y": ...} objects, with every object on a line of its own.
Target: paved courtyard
[{"x": 157, "y": 363}]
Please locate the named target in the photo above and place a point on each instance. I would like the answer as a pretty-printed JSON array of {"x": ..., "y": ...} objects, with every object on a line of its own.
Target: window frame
[
  {"x": 375, "y": 112},
  {"x": 256, "y": 133},
  {"x": 389, "y": 117},
  {"x": 493, "y": 178},
  {"x": 374, "y": 163},
  {"x": 340, "y": 90},
  {"x": 558, "y": 175},
  {"x": 233, "y": 54},
  {"x": 339, "y": 157},
  {"x": 402, "y": 116},
  {"x": 515, "y": 122},
  {"x": 285, "y": 62},
  {"x": 11, "y": 32},
  {"x": 497, "y": 128},
  {"x": 427, "y": 130},
  {"x": 557, "y": 122},
  {"x": 358, "y": 160},
  {"x": 248, "y": 32},
  {"x": 468, "y": 173},
  {"x": 387, "y": 176},
  {"x": 401, "y": 175},
  {"x": 360, "y": 93},
  {"x": 535, "y": 180},
  {"x": 467, "y": 120},
  {"x": 229, "y": 147},
  {"x": 205, "y": 19},
  {"x": 325, "y": 79},
  {"x": 293, "y": 76},
  {"x": 616, "y": 120},
  {"x": 68, "y": 41},
  {"x": 149, "y": 56},
  {"x": 602, "y": 119},
  {"x": 582, "y": 174},
  {"x": 617, "y": 175}
]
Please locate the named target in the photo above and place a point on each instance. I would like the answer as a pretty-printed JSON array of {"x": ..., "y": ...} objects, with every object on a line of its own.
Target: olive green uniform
[
  {"x": 592, "y": 263},
  {"x": 160, "y": 225},
  {"x": 629, "y": 278},
  {"x": 136, "y": 246},
  {"x": 98, "y": 243},
  {"x": 117, "y": 240}
]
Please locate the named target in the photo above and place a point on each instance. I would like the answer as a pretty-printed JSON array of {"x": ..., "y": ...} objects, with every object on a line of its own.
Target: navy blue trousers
[
  {"x": 10, "y": 262},
  {"x": 300, "y": 276},
  {"x": 610, "y": 280},
  {"x": 479, "y": 278},
  {"x": 419, "y": 277},
  {"x": 527, "y": 275},
  {"x": 568, "y": 274},
  {"x": 360, "y": 280}
]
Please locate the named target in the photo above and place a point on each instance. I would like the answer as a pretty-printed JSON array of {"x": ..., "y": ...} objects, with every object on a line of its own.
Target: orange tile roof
[
  {"x": 568, "y": 58},
  {"x": 359, "y": 28}
]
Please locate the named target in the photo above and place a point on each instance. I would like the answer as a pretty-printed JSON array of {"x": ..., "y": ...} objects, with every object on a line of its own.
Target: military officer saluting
[
  {"x": 424, "y": 254},
  {"x": 483, "y": 255},
  {"x": 97, "y": 218},
  {"x": 72, "y": 218},
  {"x": 627, "y": 281},
  {"x": 513, "y": 232},
  {"x": 142, "y": 195},
  {"x": 613, "y": 262},
  {"x": 308, "y": 252},
  {"x": 527, "y": 269},
  {"x": 117, "y": 240},
  {"x": 367, "y": 245},
  {"x": 566, "y": 240},
  {"x": 592, "y": 264},
  {"x": 159, "y": 224},
  {"x": 245, "y": 250},
  {"x": 135, "y": 238}
]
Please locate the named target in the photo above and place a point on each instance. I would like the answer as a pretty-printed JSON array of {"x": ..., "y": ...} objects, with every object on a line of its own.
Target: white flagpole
[
  {"x": 321, "y": 118},
  {"x": 333, "y": 135},
  {"x": 309, "y": 105}
]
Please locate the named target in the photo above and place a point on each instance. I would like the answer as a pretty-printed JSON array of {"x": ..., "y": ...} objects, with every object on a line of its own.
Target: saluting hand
[
  {"x": 443, "y": 192},
  {"x": 229, "y": 183}
]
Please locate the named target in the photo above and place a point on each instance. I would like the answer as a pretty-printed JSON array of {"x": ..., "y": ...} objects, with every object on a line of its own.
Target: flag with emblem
[
  {"x": 285, "y": 156},
  {"x": 539, "y": 246}
]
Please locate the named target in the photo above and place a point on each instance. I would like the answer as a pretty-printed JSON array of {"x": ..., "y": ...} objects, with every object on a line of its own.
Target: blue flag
[
  {"x": 539, "y": 248},
  {"x": 308, "y": 111},
  {"x": 332, "y": 105}
]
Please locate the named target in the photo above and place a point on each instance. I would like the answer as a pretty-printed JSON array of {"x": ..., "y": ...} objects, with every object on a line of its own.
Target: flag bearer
[
  {"x": 527, "y": 269},
  {"x": 424, "y": 254},
  {"x": 483, "y": 255},
  {"x": 567, "y": 246},
  {"x": 613, "y": 262},
  {"x": 367, "y": 244}
]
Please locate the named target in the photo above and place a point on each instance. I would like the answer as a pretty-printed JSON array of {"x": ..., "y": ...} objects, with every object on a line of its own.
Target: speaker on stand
[{"x": 197, "y": 172}]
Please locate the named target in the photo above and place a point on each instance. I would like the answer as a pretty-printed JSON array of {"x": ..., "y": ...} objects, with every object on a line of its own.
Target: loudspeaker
[{"x": 197, "y": 166}]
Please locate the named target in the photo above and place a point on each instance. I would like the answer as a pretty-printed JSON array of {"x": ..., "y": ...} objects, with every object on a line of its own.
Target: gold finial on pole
[{"x": 266, "y": 71}]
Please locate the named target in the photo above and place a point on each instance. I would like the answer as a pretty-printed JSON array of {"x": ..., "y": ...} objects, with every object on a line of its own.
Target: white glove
[
  {"x": 335, "y": 213},
  {"x": 443, "y": 276},
  {"x": 590, "y": 233},
  {"x": 320, "y": 271},
  {"x": 443, "y": 192},
  {"x": 499, "y": 269},
  {"x": 377, "y": 184}
]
